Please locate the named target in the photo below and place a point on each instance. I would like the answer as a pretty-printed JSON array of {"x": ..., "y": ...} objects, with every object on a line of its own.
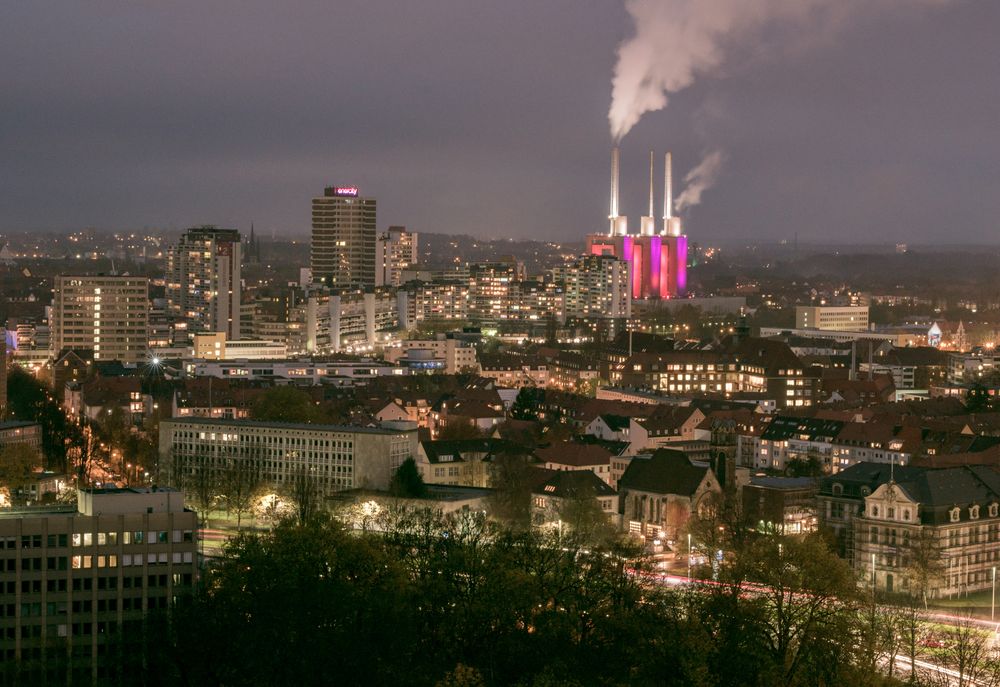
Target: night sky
[{"x": 489, "y": 118}]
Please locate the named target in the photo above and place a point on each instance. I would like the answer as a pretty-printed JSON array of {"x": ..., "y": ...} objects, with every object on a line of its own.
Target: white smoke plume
[
  {"x": 678, "y": 41},
  {"x": 699, "y": 180}
]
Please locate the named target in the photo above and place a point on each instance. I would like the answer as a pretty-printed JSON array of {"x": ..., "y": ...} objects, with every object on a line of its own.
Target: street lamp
[{"x": 689, "y": 555}]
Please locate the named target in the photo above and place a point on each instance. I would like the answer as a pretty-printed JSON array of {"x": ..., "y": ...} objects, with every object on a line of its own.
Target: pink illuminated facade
[{"x": 657, "y": 261}]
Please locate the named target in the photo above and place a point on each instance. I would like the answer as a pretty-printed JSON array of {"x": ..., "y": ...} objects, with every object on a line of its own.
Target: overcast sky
[{"x": 488, "y": 118}]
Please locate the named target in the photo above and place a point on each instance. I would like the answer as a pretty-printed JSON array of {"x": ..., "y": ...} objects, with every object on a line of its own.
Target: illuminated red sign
[{"x": 345, "y": 190}]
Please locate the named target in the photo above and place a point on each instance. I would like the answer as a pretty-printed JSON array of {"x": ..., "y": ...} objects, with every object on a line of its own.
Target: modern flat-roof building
[
  {"x": 203, "y": 280},
  {"x": 835, "y": 318},
  {"x": 343, "y": 239},
  {"x": 336, "y": 457},
  {"x": 108, "y": 315},
  {"x": 78, "y": 581},
  {"x": 19, "y": 432}
]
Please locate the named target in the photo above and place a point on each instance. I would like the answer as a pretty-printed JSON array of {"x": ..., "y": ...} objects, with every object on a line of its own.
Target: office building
[
  {"x": 203, "y": 280},
  {"x": 343, "y": 239},
  {"x": 108, "y": 315},
  {"x": 332, "y": 457},
  {"x": 834, "y": 318},
  {"x": 78, "y": 581},
  {"x": 395, "y": 251}
]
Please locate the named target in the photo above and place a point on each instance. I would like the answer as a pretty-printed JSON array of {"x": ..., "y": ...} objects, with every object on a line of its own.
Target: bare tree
[
  {"x": 199, "y": 483},
  {"x": 967, "y": 651},
  {"x": 924, "y": 563},
  {"x": 240, "y": 482}
]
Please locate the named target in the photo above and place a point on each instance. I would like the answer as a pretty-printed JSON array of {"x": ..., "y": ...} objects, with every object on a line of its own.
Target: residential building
[
  {"x": 79, "y": 580},
  {"x": 203, "y": 286},
  {"x": 463, "y": 462},
  {"x": 395, "y": 251},
  {"x": 343, "y": 249},
  {"x": 595, "y": 287},
  {"x": 570, "y": 455},
  {"x": 334, "y": 457},
  {"x": 108, "y": 315},
  {"x": 805, "y": 440},
  {"x": 553, "y": 490}
]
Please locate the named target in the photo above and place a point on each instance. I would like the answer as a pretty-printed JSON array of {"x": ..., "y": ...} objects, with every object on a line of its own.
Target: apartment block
[{"x": 108, "y": 315}]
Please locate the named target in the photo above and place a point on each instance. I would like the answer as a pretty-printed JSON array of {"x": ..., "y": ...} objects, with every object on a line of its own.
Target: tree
[
  {"x": 17, "y": 463},
  {"x": 581, "y": 514},
  {"x": 28, "y": 399},
  {"x": 924, "y": 564},
  {"x": 809, "y": 466},
  {"x": 201, "y": 487},
  {"x": 407, "y": 482},
  {"x": 286, "y": 404},
  {"x": 241, "y": 480},
  {"x": 454, "y": 431},
  {"x": 525, "y": 406},
  {"x": 510, "y": 478},
  {"x": 967, "y": 651},
  {"x": 305, "y": 493}
]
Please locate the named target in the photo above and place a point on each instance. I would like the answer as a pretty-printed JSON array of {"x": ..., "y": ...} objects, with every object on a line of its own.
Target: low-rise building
[
  {"x": 660, "y": 491},
  {"x": 333, "y": 457},
  {"x": 781, "y": 505},
  {"x": 18, "y": 432},
  {"x": 555, "y": 489}
]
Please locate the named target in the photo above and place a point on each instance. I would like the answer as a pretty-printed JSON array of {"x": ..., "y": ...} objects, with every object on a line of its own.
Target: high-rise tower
[
  {"x": 343, "y": 239},
  {"x": 204, "y": 271}
]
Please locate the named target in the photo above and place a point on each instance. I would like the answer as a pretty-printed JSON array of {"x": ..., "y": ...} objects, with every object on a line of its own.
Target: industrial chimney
[
  {"x": 671, "y": 224},
  {"x": 618, "y": 224},
  {"x": 647, "y": 225}
]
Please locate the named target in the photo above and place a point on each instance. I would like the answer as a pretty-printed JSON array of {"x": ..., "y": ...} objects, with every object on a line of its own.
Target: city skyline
[{"x": 488, "y": 125}]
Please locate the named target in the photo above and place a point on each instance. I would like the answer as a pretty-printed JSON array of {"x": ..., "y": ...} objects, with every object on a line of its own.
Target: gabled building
[
  {"x": 660, "y": 491},
  {"x": 462, "y": 462},
  {"x": 554, "y": 489},
  {"x": 888, "y": 520},
  {"x": 572, "y": 456}
]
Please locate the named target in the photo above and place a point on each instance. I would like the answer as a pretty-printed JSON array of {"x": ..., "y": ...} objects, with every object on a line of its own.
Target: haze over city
[{"x": 837, "y": 122}]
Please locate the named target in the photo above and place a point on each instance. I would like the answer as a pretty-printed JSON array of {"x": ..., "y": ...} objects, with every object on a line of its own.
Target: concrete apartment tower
[
  {"x": 106, "y": 314},
  {"x": 203, "y": 280}
]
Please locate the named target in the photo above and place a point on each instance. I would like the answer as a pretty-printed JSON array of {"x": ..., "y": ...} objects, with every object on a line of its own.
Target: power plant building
[{"x": 657, "y": 260}]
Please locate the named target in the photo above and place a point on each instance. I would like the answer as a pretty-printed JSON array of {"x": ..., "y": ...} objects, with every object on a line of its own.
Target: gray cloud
[{"x": 487, "y": 118}]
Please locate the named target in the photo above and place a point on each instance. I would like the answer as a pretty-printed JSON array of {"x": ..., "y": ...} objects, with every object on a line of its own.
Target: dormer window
[
  {"x": 955, "y": 513},
  {"x": 973, "y": 512},
  {"x": 874, "y": 511},
  {"x": 837, "y": 489},
  {"x": 993, "y": 510},
  {"x": 865, "y": 491}
]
